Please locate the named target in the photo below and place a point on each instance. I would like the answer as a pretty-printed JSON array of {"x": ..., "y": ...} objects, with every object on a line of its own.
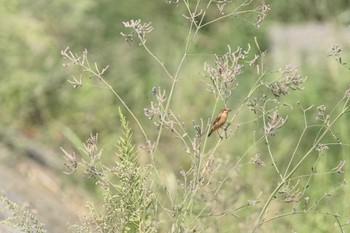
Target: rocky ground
[{"x": 30, "y": 175}]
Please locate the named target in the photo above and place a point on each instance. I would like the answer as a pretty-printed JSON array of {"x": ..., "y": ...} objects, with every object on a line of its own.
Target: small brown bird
[{"x": 220, "y": 120}]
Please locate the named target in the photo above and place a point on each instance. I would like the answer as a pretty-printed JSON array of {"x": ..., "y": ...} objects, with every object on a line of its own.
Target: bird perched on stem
[{"x": 220, "y": 120}]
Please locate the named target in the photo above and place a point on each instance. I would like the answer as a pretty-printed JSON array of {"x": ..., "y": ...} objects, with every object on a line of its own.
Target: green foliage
[
  {"x": 127, "y": 199},
  {"x": 19, "y": 217},
  {"x": 281, "y": 138},
  {"x": 298, "y": 11},
  {"x": 198, "y": 196},
  {"x": 135, "y": 199}
]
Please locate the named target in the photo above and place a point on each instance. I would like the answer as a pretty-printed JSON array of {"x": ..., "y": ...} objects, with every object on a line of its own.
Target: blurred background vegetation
[{"x": 38, "y": 103}]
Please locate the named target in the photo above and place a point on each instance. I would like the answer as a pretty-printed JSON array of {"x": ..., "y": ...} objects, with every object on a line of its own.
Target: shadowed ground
[{"x": 26, "y": 177}]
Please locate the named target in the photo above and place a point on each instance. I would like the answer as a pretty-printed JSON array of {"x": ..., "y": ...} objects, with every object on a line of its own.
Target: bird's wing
[{"x": 217, "y": 119}]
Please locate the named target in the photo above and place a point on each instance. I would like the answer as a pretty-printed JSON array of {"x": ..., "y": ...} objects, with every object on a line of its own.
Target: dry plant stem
[
  {"x": 189, "y": 41},
  {"x": 179, "y": 135},
  {"x": 255, "y": 86},
  {"x": 236, "y": 164},
  {"x": 212, "y": 117},
  {"x": 228, "y": 212},
  {"x": 156, "y": 58},
  {"x": 300, "y": 139},
  {"x": 252, "y": 90},
  {"x": 326, "y": 194},
  {"x": 309, "y": 210},
  {"x": 171, "y": 93},
  {"x": 334, "y": 108},
  {"x": 306, "y": 126},
  {"x": 259, "y": 221},
  {"x": 197, "y": 171},
  {"x": 174, "y": 78},
  {"x": 266, "y": 136},
  {"x": 233, "y": 13},
  {"x": 126, "y": 107},
  {"x": 194, "y": 12},
  {"x": 195, "y": 26},
  {"x": 311, "y": 175},
  {"x": 98, "y": 74},
  {"x": 199, "y": 26}
]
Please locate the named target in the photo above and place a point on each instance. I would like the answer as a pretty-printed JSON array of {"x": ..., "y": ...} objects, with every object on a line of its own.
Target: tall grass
[
  {"x": 214, "y": 193},
  {"x": 259, "y": 168}
]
